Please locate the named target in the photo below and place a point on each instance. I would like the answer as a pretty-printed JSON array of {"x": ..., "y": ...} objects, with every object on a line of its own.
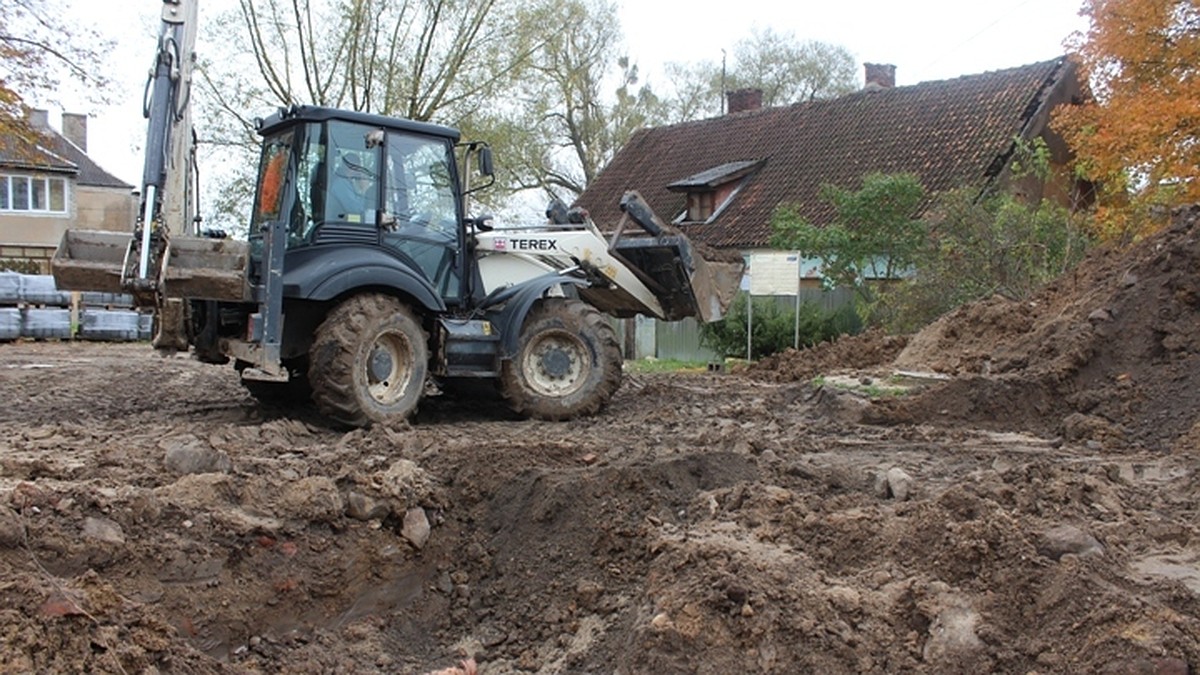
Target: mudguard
[
  {"x": 518, "y": 300},
  {"x": 324, "y": 273}
]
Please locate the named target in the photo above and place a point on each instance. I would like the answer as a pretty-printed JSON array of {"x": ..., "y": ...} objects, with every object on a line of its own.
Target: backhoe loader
[{"x": 363, "y": 276}]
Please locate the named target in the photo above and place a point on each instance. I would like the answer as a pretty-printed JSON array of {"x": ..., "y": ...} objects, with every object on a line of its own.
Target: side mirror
[{"x": 485, "y": 162}]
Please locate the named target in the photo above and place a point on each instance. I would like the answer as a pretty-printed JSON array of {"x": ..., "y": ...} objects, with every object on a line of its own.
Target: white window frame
[{"x": 7, "y": 192}]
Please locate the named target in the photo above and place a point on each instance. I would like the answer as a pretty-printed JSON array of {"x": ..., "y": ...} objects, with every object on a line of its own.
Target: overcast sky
[{"x": 924, "y": 39}]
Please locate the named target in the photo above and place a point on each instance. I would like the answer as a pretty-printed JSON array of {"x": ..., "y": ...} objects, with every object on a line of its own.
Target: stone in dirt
[
  {"x": 899, "y": 483},
  {"x": 416, "y": 527},
  {"x": 12, "y": 530},
  {"x": 1063, "y": 539},
  {"x": 952, "y": 636},
  {"x": 103, "y": 529},
  {"x": 187, "y": 454},
  {"x": 365, "y": 507}
]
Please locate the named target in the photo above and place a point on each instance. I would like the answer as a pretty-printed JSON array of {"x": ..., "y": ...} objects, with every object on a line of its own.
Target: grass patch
[{"x": 653, "y": 365}]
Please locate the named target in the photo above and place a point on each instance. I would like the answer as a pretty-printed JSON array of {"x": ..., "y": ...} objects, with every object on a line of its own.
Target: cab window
[
  {"x": 353, "y": 187},
  {"x": 420, "y": 197}
]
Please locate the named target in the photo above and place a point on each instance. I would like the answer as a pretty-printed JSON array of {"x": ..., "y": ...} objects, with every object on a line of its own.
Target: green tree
[
  {"x": 41, "y": 55},
  {"x": 787, "y": 70},
  {"x": 875, "y": 233},
  {"x": 581, "y": 100},
  {"x": 979, "y": 247}
]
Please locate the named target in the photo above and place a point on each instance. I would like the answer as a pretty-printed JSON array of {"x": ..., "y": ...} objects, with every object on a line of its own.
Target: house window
[{"x": 33, "y": 194}]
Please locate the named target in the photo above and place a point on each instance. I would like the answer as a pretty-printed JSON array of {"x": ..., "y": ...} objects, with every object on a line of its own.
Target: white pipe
[{"x": 147, "y": 225}]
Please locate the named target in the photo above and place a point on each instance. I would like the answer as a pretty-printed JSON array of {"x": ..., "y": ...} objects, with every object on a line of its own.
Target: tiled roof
[
  {"x": 56, "y": 154},
  {"x": 28, "y": 155},
  {"x": 949, "y": 133},
  {"x": 90, "y": 173}
]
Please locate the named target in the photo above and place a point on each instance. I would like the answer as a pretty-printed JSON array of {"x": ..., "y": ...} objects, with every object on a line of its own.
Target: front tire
[
  {"x": 568, "y": 362},
  {"x": 368, "y": 361}
]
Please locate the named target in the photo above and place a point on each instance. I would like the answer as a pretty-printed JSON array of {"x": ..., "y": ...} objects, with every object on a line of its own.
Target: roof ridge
[{"x": 814, "y": 103}]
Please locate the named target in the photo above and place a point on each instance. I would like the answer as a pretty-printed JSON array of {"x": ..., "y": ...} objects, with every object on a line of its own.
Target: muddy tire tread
[
  {"x": 598, "y": 333},
  {"x": 332, "y": 358}
]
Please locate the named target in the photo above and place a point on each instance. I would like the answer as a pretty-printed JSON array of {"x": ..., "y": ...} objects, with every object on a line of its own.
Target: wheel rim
[
  {"x": 388, "y": 368},
  {"x": 556, "y": 364}
]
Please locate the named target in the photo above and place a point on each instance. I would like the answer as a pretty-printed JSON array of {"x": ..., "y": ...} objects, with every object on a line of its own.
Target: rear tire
[
  {"x": 568, "y": 362},
  {"x": 368, "y": 361}
]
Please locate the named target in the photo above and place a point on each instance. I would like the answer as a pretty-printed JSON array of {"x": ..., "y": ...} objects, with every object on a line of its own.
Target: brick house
[
  {"x": 721, "y": 179},
  {"x": 53, "y": 185}
]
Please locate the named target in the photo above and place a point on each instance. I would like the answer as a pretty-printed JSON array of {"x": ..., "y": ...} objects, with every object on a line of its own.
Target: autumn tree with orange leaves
[
  {"x": 40, "y": 53},
  {"x": 1139, "y": 138}
]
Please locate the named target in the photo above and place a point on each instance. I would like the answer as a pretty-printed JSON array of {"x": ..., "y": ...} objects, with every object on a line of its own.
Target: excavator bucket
[
  {"x": 90, "y": 260},
  {"x": 207, "y": 269},
  {"x": 686, "y": 278},
  {"x": 195, "y": 267}
]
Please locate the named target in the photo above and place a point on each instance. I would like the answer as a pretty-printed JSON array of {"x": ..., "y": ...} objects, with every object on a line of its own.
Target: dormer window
[
  {"x": 710, "y": 191},
  {"x": 701, "y": 205}
]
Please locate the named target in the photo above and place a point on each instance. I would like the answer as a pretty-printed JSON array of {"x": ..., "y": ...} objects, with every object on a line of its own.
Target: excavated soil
[{"x": 1035, "y": 511}]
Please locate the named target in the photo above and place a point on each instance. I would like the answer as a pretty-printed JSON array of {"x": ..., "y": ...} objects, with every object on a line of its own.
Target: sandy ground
[{"x": 1023, "y": 500}]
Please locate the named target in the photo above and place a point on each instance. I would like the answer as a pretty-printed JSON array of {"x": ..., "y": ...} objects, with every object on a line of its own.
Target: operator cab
[{"x": 347, "y": 178}]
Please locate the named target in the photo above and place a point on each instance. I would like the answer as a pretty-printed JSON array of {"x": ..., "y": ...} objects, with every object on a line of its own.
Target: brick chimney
[
  {"x": 74, "y": 127},
  {"x": 880, "y": 75},
  {"x": 38, "y": 118},
  {"x": 742, "y": 100}
]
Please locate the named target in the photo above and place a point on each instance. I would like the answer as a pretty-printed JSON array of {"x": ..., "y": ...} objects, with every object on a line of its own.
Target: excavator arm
[
  {"x": 88, "y": 260},
  {"x": 163, "y": 262},
  {"x": 168, "y": 205}
]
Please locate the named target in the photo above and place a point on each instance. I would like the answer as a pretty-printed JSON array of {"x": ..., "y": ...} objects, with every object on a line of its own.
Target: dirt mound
[
  {"x": 867, "y": 351},
  {"x": 1109, "y": 353},
  {"x": 704, "y": 523}
]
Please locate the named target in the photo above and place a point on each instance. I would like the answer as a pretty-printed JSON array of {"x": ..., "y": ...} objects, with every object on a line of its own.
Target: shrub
[{"x": 775, "y": 327}]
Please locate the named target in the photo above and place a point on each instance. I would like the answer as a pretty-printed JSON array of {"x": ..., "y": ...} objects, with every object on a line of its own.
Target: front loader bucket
[
  {"x": 684, "y": 283},
  {"x": 195, "y": 268},
  {"x": 686, "y": 279}
]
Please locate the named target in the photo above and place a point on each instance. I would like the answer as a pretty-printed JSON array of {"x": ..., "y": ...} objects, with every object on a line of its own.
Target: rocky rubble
[{"x": 1034, "y": 512}]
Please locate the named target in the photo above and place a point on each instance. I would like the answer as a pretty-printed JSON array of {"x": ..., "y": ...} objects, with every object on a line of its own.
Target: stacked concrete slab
[
  {"x": 10, "y": 313},
  {"x": 31, "y": 306}
]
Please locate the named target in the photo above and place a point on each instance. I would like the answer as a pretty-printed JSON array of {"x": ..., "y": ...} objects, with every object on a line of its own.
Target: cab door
[{"x": 421, "y": 208}]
